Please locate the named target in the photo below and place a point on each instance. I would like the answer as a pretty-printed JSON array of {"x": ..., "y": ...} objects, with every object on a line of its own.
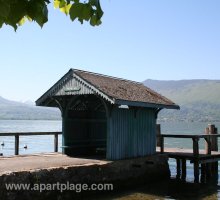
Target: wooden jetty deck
[
  {"x": 188, "y": 154},
  {"x": 206, "y": 160}
]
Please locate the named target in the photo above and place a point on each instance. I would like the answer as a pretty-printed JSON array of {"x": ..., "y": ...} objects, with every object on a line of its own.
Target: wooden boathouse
[{"x": 103, "y": 114}]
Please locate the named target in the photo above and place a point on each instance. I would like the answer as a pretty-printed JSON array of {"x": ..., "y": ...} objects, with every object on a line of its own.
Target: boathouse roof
[{"x": 115, "y": 90}]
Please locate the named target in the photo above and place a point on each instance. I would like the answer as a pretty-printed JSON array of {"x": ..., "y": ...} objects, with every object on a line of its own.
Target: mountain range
[
  {"x": 28, "y": 111},
  {"x": 199, "y": 100}
]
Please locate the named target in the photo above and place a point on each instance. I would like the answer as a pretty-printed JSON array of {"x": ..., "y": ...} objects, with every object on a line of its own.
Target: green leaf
[
  {"x": 93, "y": 20},
  {"x": 99, "y": 10},
  {"x": 1, "y": 22},
  {"x": 87, "y": 12},
  {"x": 94, "y": 2},
  {"x": 56, "y": 3},
  {"x": 29, "y": 19},
  {"x": 4, "y": 9},
  {"x": 17, "y": 12},
  {"x": 62, "y": 4},
  {"x": 37, "y": 10},
  {"x": 66, "y": 9},
  {"x": 22, "y": 21},
  {"x": 76, "y": 11}
]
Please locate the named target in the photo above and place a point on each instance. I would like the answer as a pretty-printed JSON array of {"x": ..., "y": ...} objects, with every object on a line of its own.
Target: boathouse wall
[{"x": 131, "y": 133}]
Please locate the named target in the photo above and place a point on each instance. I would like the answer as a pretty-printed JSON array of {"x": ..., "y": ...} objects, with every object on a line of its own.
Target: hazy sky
[{"x": 138, "y": 40}]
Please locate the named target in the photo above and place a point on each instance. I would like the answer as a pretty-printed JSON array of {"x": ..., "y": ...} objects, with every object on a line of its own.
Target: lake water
[{"x": 38, "y": 144}]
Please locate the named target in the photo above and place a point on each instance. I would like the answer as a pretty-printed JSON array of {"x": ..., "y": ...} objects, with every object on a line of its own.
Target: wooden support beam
[
  {"x": 196, "y": 147},
  {"x": 158, "y": 134},
  {"x": 196, "y": 172},
  {"x": 196, "y": 161},
  {"x": 215, "y": 172},
  {"x": 178, "y": 168},
  {"x": 203, "y": 173},
  {"x": 161, "y": 144},
  {"x": 183, "y": 177},
  {"x": 56, "y": 142},
  {"x": 214, "y": 140},
  {"x": 207, "y": 143},
  {"x": 208, "y": 171},
  {"x": 214, "y": 147}
]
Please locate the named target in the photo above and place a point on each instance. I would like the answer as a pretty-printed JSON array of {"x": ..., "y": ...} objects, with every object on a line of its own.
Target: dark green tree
[{"x": 16, "y": 12}]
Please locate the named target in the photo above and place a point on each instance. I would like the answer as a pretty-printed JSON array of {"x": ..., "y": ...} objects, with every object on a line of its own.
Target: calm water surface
[
  {"x": 167, "y": 190},
  {"x": 35, "y": 144}
]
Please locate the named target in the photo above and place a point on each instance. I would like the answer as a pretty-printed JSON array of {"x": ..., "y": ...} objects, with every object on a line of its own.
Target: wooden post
[
  {"x": 178, "y": 169},
  {"x": 207, "y": 143},
  {"x": 161, "y": 144},
  {"x": 56, "y": 142},
  {"x": 196, "y": 171},
  {"x": 208, "y": 146},
  {"x": 214, "y": 147},
  {"x": 17, "y": 144},
  {"x": 203, "y": 173},
  {"x": 158, "y": 134},
  {"x": 183, "y": 169},
  {"x": 208, "y": 171},
  {"x": 214, "y": 140},
  {"x": 195, "y": 146},
  {"x": 211, "y": 145},
  {"x": 196, "y": 156}
]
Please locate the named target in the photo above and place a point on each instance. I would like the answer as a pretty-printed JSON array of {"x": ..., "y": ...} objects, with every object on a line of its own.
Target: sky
[{"x": 138, "y": 40}]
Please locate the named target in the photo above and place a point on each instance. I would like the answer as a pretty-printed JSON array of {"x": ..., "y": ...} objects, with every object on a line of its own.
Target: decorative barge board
[{"x": 108, "y": 115}]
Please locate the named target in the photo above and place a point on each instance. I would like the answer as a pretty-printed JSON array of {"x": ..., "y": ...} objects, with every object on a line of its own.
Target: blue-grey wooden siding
[{"x": 131, "y": 134}]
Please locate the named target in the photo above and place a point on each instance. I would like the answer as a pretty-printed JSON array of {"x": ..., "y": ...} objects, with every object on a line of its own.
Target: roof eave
[
  {"x": 71, "y": 73},
  {"x": 40, "y": 101},
  {"x": 145, "y": 104}
]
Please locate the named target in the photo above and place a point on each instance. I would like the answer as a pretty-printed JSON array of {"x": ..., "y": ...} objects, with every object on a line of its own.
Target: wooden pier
[{"x": 206, "y": 159}]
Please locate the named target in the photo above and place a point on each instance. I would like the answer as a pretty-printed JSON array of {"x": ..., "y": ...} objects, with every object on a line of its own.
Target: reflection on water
[{"x": 162, "y": 190}]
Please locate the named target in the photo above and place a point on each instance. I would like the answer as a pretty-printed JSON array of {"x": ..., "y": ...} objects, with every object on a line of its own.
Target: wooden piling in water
[
  {"x": 196, "y": 159},
  {"x": 178, "y": 168},
  {"x": 207, "y": 143},
  {"x": 203, "y": 173},
  {"x": 214, "y": 141},
  {"x": 183, "y": 177},
  {"x": 158, "y": 134},
  {"x": 160, "y": 139},
  {"x": 211, "y": 145},
  {"x": 208, "y": 159}
]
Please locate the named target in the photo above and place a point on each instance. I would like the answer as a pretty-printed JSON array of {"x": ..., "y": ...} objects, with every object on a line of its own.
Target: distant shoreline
[
  {"x": 159, "y": 120},
  {"x": 31, "y": 119}
]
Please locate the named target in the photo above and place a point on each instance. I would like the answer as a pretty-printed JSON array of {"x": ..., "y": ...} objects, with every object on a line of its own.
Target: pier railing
[
  {"x": 195, "y": 138},
  {"x": 207, "y": 158},
  {"x": 17, "y": 135},
  {"x": 211, "y": 139}
]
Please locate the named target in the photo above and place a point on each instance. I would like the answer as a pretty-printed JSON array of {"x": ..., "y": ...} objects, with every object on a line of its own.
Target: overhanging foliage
[{"x": 16, "y": 12}]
